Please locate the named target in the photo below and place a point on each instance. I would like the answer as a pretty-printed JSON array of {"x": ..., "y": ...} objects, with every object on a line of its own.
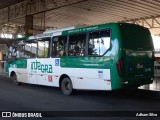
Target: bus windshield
[{"x": 135, "y": 37}]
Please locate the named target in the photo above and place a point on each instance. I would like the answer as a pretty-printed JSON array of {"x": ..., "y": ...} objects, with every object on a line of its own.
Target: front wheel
[
  {"x": 15, "y": 80},
  {"x": 66, "y": 86}
]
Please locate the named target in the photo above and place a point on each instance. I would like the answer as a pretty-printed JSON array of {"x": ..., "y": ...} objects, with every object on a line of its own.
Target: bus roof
[
  {"x": 87, "y": 29},
  {"x": 22, "y": 38},
  {"x": 56, "y": 32},
  {"x": 71, "y": 30}
]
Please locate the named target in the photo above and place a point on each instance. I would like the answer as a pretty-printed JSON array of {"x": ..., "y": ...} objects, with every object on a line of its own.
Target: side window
[
  {"x": 59, "y": 46},
  {"x": 30, "y": 49},
  {"x": 20, "y": 51},
  {"x": 77, "y": 45},
  {"x": 33, "y": 50},
  {"x": 43, "y": 47},
  {"x": 99, "y": 42},
  {"x": 27, "y": 50}
]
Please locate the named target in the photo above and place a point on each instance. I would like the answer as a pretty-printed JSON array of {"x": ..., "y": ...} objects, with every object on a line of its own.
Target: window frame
[
  {"x": 49, "y": 49},
  {"x": 87, "y": 44},
  {"x": 106, "y": 50},
  {"x": 30, "y": 42},
  {"x": 86, "y": 52}
]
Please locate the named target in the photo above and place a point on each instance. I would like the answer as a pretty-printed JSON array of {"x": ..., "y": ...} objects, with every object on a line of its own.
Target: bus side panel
[
  {"x": 88, "y": 72},
  {"x": 19, "y": 66},
  {"x": 22, "y": 75},
  {"x": 40, "y": 71},
  {"x": 116, "y": 55},
  {"x": 91, "y": 79},
  {"x": 7, "y": 69}
]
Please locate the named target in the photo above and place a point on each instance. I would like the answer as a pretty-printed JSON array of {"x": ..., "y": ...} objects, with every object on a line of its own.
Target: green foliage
[{"x": 45, "y": 52}]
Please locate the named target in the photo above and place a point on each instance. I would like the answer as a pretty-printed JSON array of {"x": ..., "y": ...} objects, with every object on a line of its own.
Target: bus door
[
  {"x": 43, "y": 65},
  {"x": 32, "y": 71},
  {"x": 49, "y": 71},
  {"x": 41, "y": 72}
]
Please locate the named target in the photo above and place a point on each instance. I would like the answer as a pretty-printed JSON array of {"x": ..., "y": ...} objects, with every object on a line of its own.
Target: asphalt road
[{"x": 40, "y": 98}]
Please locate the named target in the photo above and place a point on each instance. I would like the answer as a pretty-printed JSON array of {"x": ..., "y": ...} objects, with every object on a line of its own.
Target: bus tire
[
  {"x": 15, "y": 80},
  {"x": 66, "y": 86}
]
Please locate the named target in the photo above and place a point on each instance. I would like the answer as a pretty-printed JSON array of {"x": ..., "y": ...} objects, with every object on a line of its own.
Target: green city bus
[{"x": 102, "y": 57}]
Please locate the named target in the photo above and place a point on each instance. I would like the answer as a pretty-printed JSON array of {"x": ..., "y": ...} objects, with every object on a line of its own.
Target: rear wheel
[
  {"x": 66, "y": 86},
  {"x": 15, "y": 80}
]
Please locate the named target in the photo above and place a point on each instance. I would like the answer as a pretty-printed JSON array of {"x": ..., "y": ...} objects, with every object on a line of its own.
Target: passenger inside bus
[{"x": 77, "y": 45}]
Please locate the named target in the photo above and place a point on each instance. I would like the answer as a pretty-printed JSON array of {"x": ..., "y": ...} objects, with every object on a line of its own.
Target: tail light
[{"x": 120, "y": 67}]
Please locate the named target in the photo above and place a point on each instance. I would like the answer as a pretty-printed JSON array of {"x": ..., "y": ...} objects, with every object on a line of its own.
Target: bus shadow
[{"x": 139, "y": 93}]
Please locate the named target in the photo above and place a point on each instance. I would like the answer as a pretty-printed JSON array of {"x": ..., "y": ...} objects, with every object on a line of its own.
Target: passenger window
[
  {"x": 33, "y": 50},
  {"x": 30, "y": 49},
  {"x": 59, "y": 46},
  {"x": 43, "y": 47},
  {"x": 99, "y": 43},
  {"x": 77, "y": 45},
  {"x": 20, "y": 51}
]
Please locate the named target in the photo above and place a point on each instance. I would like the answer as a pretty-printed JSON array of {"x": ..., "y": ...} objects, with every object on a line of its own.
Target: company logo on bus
[
  {"x": 139, "y": 66},
  {"x": 44, "y": 68}
]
